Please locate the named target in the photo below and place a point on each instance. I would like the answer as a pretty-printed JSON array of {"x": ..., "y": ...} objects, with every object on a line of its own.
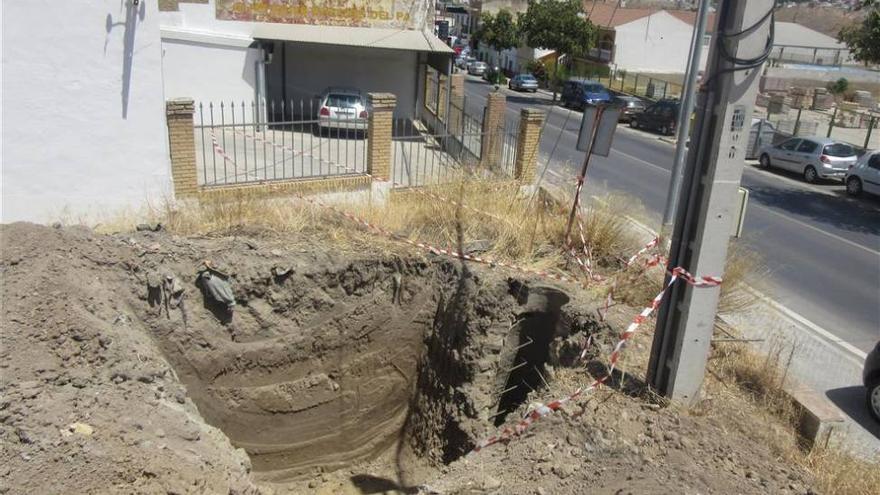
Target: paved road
[{"x": 823, "y": 248}]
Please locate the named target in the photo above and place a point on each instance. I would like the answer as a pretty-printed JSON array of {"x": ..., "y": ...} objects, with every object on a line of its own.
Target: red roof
[{"x": 608, "y": 14}]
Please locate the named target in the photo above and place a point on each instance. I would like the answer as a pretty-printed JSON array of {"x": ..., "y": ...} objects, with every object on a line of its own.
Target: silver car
[
  {"x": 523, "y": 82},
  {"x": 342, "y": 108},
  {"x": 871, "y": 378},
  {"x": 813, "y": 157},
  {"x": 477, "y": 68},
  {"x": 865, "y": 175}
]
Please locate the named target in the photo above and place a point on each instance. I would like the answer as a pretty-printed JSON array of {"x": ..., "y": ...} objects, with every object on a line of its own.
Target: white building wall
[
  {"x": 209, "y": 72},
  {"x": 656, "y": 43},
  {"x": 84, "y": 132}
]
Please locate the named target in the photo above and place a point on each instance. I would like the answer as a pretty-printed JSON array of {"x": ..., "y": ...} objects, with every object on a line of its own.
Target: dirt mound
[{"x": 332, "y": 373}]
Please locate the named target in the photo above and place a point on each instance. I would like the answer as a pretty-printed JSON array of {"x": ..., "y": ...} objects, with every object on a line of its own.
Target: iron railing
[{"x": 258, "y": 142}]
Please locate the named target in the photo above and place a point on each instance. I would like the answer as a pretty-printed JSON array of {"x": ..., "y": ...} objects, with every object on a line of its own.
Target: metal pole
[
  {"x": 706, "y": 211},
  {"x": 870, "y": 128},
  {"x": 685, "y": 110},
  {"x": 831, "y": 124},
  {"x": 583, "y": 178},
  {"x": 797, "y": 122}
]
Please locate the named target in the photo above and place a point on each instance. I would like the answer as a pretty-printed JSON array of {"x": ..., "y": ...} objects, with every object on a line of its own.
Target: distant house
[{"x": 644, "y": 40}]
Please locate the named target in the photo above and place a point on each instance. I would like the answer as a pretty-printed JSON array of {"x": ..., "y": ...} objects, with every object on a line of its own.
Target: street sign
[{"x": 607, "y": 117}]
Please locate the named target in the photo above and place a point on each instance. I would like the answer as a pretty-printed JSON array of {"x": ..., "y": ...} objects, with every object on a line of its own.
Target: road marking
[{"x": 816, "y": 229}]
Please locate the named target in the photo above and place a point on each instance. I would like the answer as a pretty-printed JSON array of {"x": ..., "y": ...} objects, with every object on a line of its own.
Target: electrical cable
[{"x": 740, "y": 64}]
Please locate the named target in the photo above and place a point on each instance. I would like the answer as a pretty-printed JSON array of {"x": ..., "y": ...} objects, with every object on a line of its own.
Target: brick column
[
  {"x": 493, "y": 128},
  {"x": 182, "y": 144},
  {"x": 381, "y": 118},
  {"x": 527, "y": 144},
  {"x": 456, "y": 107}
]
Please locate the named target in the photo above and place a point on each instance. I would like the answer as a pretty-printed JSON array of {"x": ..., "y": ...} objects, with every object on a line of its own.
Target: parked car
[
  {"x": 477, "y": 68},
  {"x": 579, "y": 94},
  {"x": 864, "y": 175},
  {"x": 813, "y": 157},
  {"x": 523, "y": 82},
  {"x": 630, "y": 105},
  {"x": 463, "y": 61},
  {"x": 342, "y": 108},
  {"x": 871, "y": 378},
  {"x": 660, "y": 116}
]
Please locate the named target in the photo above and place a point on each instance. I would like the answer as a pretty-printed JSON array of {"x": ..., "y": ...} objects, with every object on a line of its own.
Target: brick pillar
[
  {"x": 493, "y": 128},
  {"x": 182, "y": 143},
  {"x": 456, "y": 107},
  {"x": 381, "y": 118},
  {"x": 527, "y": 144}
]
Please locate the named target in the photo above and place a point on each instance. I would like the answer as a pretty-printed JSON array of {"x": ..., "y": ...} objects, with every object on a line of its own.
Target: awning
[{"x": 393, "y": 39}]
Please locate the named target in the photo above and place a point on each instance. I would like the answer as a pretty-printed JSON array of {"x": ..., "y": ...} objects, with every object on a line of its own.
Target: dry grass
[{"x": 758, "y": 380}]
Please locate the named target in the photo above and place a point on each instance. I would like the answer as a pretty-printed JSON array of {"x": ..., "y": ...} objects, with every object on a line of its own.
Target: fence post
[
  {"x": 182, "y": 146},
  {"x": 456, "y": 103},
  {"x": 379, "y": 121},
  {"x": 636, "y": 85},
  {"x": 870, "y": 128},
  {"x": 493, "y": 127},
  {"x": 797, "y": 122},
  {"x": 527, "y": 144},
  {"x": 831, "y": 124},
  {"x": 442, "y": 98}
]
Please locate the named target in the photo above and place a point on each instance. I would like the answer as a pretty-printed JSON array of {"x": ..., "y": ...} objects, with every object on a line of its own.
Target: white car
[
  {"x": 864, "y": 175},
  {"x": 342, "y": 108},
  {"x": 477, "y": 68}
]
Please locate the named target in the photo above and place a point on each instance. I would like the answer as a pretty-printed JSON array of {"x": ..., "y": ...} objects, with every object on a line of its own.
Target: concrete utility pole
[
  {"x": 683, "y": 124},
  {"x": 706, "y": 207}
]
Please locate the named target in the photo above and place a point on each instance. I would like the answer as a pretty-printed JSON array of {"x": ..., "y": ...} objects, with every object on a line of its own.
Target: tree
[
  {"x": 498, "y": 31},
  {"x": 558, "y": 25},
  {"x": 839, "y": 86},
  {"x": 863, "y": 39}
]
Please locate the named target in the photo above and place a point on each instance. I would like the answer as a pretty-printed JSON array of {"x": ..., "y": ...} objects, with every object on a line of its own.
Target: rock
[
  {"x": 180, "y": 397},
  {"x": 562, "y": 470},
  {"x": 81, "y": 429},
  {"x": 191, "y": 433},
  {"x": 148, "y": 227},
  {"x": 490, "y": 483},
  {"x": 79, "y": 381},
  {"x": 23, "y": 436},
  {"x": 540, "y": 491}
]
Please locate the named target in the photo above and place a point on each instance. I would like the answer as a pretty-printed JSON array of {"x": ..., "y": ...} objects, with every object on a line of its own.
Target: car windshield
[
  {"x": 838, "y": 149},
  {"x": 343, "y": 100},
  {"x": 594, "y": 88},
  {"x": 527, "y": 78}
]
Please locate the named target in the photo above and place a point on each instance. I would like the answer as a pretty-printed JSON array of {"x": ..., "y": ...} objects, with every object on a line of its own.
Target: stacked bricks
[
  {"x": 379, "y": 126},
  {"x": 182, "y": 143},
  {"x": 493, "y": 129},
  {"x": 456, "y": 104},
  {"x": 530, "y": 125}
]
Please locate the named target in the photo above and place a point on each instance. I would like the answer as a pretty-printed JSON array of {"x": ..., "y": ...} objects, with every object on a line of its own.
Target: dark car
[
  {"x": 630, "y": 105},
  {"x": 660, "y": 116},
  {"x": 871, "y": 377},
  {"x": 579, "y": 94}
]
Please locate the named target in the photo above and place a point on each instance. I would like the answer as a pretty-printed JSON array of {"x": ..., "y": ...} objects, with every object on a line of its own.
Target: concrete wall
[
  {"x": 656, "y": 43},
  {"x": 209, "y": 72},
  {"x": 312, "y": 68},
  {"x": 84, "y": 118}
]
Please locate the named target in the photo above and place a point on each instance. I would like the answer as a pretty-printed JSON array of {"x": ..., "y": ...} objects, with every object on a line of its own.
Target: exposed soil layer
[{"x": 332, "y": 373}]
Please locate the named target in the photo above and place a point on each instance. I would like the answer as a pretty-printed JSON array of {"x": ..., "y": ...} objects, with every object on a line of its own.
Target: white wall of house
[
  {"x": 656, "y": 43},
  {"x": 210, "y": 72},
  {"x": 514, "y": 59},
  {"x": 84, "y": 132}
]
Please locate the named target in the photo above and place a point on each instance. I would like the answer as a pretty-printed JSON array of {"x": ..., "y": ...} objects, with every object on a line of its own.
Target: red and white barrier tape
[{"x": 511, "y": 431}]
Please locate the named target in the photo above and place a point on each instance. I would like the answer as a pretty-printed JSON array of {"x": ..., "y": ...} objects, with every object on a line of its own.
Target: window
[
  {"x": 789, "y": 145},
  {"x": 838, "y": 149},
  {"x": 874, "y": 162},
  {"x": 343, "y": 101},
  {"x": 807, "y": 147}
]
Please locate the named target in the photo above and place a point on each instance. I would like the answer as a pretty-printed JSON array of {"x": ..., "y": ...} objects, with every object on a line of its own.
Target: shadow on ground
[
  {"x": 854, "y": 216},
  {"x": 851, "y": 400}
]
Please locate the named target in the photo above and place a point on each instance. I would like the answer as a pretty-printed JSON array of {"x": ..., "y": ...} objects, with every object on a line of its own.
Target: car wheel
[
  {"x": 873, "y": 397},
  {"x": 634, "y": 123},
  {"x": 853, "y": 186},
  {"x": 810, "y": 174},
  {"x": 765, "y": 161}
]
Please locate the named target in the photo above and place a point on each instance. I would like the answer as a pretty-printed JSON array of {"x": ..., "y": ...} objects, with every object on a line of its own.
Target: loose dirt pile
[{"x": 332, "y": 373}]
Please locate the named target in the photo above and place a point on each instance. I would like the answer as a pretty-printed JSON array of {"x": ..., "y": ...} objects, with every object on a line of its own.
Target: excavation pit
[{"x": 398, "y": 362}]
